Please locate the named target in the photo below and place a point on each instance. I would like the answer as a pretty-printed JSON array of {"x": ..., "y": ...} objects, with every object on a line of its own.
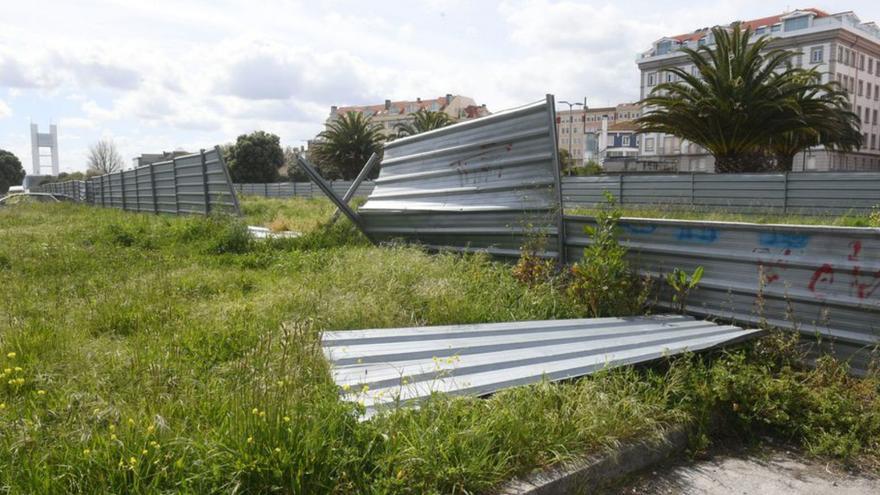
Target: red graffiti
[{"x": 824, "y": 274}]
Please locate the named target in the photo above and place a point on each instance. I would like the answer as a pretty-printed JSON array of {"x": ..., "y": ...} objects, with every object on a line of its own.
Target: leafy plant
[
  {"x": 874, "y": 217},
  {"x": 423, "y": 121},
  {"x": 682, "y": 284},
  {"x": 603, "y": 281},
  {"x": 531, "y": 269}
]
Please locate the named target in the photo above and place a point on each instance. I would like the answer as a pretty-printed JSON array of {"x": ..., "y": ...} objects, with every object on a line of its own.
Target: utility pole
[{"x": 571, "y": 123}]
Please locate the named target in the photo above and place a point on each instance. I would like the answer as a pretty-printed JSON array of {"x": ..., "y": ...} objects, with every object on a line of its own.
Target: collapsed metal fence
[
  {"x": 808, "y": 193},
  {"x": 191, "y": 184},
  {"x": 492, "y": 184}
]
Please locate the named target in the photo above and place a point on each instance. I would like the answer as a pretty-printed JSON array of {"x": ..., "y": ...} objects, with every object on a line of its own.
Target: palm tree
[
  {"x": 423, "y": 120},
  {"x": 741, "y": 96},
  {"x": 829, "y": 122},
  {"x": 346, "y": 145}
]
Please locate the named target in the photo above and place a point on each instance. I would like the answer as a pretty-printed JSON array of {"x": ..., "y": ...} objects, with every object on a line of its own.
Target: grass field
[{"x": 146, "y": 354}]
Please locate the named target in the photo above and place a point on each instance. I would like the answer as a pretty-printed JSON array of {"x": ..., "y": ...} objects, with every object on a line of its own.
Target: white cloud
[{"x": 5, "y": 111}]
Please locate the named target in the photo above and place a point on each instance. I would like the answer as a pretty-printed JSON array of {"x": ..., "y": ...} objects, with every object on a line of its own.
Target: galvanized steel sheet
[
  {"x": 382, "y": 367},
  {"x": 819, "y": 280},
  {"x": 485, "y": 183}
]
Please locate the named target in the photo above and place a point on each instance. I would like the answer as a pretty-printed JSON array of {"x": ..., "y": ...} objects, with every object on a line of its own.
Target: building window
[
  {"x": 861, "y": 88},
  {"x": 802, "y": 22},
  {"x": 875, "y": 116},
  {"x": 669, "y": 76},
  {"x": 868, "y": 115},
  {"x": 816, "y": 54},
  {"x": 840, "y": 54},
  {"x": 776, "y": 27},
  {"x": 877, "y": 92},
  {"x": 649, "y": 145},
  {"x": 861, "y": 62},
  {"x": 873, "y": 141},
  {"x": 652, "y": 79}
]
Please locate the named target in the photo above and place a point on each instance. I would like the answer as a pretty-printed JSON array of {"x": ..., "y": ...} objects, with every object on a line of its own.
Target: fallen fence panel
[
  {"x": 382, "y": 367},
  {"x": 821, "y": 281}
]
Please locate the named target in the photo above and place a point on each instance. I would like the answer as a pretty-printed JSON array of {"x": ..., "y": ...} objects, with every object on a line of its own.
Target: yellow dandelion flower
[
  {"x": 2, "y": 405},
  {"x": 7, "y": 371},
  {"x": 250, "y": 439},
  {"x": 280, "y": 383},
  {"x": 11, "y": 355},
  {"x": 287, "y": 419},
  {"x": 17, "y": 368},
  {"x": 346, "y": 387},
  {"x": 155, "y": 444},
  {"x": 262, "y": 414},
  {"x": 150, "y": 429},
  {"x": 132, "y": 461},
  {"x": 255, "y": 411},
  {"x": 130, "y": 421},
  {"x": 86, "y": 451},
  {"x": 277, "y": 450},
  {"x": 113, "y": 436},
  {"x": 365, "y": 389},
  {"x": 96, "y": 411},
  {"x": 144, "y": 452},
  {"x": 112, "y": 427},
  {"x": 41, "y": 392}
]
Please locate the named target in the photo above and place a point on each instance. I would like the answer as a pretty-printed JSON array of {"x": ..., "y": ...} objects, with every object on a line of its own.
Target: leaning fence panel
[{"x": 818, "y": 280}]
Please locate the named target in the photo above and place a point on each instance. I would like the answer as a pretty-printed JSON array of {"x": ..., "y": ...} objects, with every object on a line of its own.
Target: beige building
[
  {"x": 840, "y": 46},
  {"x": 391, "y": 113},
  {"x": 580, "y": 131}
]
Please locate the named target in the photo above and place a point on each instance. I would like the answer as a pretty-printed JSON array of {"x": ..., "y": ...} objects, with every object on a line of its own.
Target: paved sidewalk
[{"x": 771, "y": 472}]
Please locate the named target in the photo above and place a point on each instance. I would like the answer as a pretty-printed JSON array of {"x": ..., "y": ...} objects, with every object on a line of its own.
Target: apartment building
[
  {"x": 391, "y": 113},
  {"x": 579, "y": 131},
  {"x": 840, "y": 46}
]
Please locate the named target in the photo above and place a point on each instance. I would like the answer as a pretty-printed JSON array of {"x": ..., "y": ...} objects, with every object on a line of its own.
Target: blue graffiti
[
  {"x": 701, "y": 235},
  {"x": 779, "y": 240},
  {"x": 638, "y": 229}
]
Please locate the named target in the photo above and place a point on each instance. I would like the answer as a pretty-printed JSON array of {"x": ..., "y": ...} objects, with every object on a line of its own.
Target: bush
[{"x": 603, "y": 281}]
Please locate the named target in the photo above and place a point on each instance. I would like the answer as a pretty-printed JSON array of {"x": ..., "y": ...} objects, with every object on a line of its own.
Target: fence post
[
  {"x": 693, "y": 196},
  {"x": 205, "y": 183},
  {"x": 153, "y": 189},
  {"x": 785, "y": 193},
  {"x": 174, "y": 177},
  {"x": 620, "y": 189}
]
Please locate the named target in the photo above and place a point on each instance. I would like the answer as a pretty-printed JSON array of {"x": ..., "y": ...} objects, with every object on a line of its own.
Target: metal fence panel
[
  {"x": 477, "y": 184},
  {"x": 818, "y": 280},
  {"x": 813, "y": 193},
  {"x": 197, "y": 183},
  {"x": 408, "y": 364}
]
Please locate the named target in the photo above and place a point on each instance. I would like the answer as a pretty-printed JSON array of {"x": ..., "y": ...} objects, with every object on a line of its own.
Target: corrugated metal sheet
[
  {"x": 300, "y": 189},
  {"x": 814, "y": 193},
  {"x": 384, "y": 366},
  {"x": 197, "y": 183},
  {"x": 481, "y": 184},
  {"x": 816, "y": 279}
]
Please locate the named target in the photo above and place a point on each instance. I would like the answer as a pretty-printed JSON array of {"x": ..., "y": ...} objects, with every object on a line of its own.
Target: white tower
[{"x": 44, "y": 140}]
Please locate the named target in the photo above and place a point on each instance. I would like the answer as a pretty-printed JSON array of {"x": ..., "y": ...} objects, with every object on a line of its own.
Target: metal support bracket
[
  {"x": 368, "y": 167},
  {"x": 328, "y": 191}
]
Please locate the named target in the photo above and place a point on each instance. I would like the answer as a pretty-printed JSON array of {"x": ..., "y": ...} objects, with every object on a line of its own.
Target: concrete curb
[{"x": 581, "y": 476}]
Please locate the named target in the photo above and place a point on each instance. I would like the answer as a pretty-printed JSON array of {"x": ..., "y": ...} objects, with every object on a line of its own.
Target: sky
[{"x": 160, "y": 75}]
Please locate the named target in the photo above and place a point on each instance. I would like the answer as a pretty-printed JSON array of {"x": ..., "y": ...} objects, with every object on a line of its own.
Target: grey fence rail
[
  {"x": 190, "y": 184},
  {"x": 821, "y": 281},
  {"x": 300, "y": 189},
  {"x": 819, "y": 193},
  {"x": 812, "y": 193}
]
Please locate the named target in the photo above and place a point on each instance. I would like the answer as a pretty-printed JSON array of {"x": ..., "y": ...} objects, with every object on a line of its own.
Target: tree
[
  {"x": 565, "y": 160},
  {"x": 11, "y": 171},
  {"x": 423, "y": 120},
  {"x": 829, "y": 122},
  {"x": 104, "y": 158},
  {"x": 255, "y": 158},
  {"x": 346, "y": 145},
  {"x": 741, "y": 97}
]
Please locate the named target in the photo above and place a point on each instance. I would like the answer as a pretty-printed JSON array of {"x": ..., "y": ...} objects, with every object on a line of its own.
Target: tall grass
[{"x": 145, "y": 354}]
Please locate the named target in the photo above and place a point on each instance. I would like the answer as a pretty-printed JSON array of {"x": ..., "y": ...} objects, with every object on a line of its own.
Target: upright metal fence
[
  {"x": 190, "y": 184},
  {"x": 300, "y": 189},
  {"x": 811, "y": 193},
  {"x": 821, "y": 281}
]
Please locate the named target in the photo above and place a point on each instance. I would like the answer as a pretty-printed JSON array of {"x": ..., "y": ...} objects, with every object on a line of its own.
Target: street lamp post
[{"x": 571, "y": 124}]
